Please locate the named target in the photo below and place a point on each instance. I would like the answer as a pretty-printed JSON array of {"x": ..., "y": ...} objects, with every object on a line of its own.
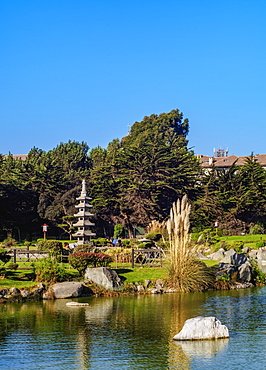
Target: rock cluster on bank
[
  {"x": 236, "y": 266},
  {"x": 19, "y": 295}
]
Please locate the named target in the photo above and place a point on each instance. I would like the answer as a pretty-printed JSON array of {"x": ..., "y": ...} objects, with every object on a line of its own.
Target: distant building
[
  {"x": 18, "y": 156},
  {"x": 224, "y": 162}
]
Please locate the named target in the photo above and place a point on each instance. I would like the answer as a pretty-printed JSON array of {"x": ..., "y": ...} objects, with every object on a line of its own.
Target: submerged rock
[
  {"x": 78, "y": 304},
  {"x": 201, "y": 327}
]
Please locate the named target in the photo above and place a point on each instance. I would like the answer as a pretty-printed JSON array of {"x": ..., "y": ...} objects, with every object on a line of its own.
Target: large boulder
[
  {"x": 226, "y": 268},
  {"x": 217, "y": 256},
  {"x": 67, "y": 289},
  {"x": 238, "y": 259},
  {"x": 261, "y": 254},
  {"x": 253, "y": 253},
  {"x": 227, "y": 256},
  {"x": 245, "y": 272},
  {"x": 104, "y": 277},
  {"x": 202, "y": 328}
]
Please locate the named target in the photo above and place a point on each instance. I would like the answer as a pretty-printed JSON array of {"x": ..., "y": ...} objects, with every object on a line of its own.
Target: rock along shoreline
[{"x": 88, "y": 289}]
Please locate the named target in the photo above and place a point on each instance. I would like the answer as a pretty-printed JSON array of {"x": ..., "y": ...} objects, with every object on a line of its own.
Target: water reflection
[
  {"x": 134, "y": 332},
  {"x": 202, "y": 348}
]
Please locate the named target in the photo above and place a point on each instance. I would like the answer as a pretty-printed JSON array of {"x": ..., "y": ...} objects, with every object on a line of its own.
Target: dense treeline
[{"x": 131, "y": 182}]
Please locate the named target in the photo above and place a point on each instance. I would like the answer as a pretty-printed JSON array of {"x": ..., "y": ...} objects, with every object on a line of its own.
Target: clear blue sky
[{"x": 84, "y": 70}]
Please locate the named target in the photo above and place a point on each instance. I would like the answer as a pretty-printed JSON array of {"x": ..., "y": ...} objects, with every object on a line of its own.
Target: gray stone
[
  {"x": 244, "y": 271},
  {"x": 39, "y": 290},
  {"x": 67, "y": 289},
  {"x": 14, "y": 291},
  {"x": 3, "y": 292},
  {"x": 245, "y": 249},
  {"x": 78, "y": 304},
  {"x": 170, "y": 290},
  {"x": 261, "y": 255},
  {"x": 25, "y": 293},
  {"x": 217, "y": 256},
  {"x": 226, "y": 268},
  {"x": 147, "y": 283},
  {"x": 140, "y": 288},
  {"x": 154, "y": 291},
  {"x": 253, "y": 253},
  {"x": 202, "y": 328},
  {"x": 201, "y": 256},
  {"x": 238, "y": 259},
  {"x": 227, "y": 256},
  {"x": 159, "y": 282},
  {"x": 104, "y": 277}
]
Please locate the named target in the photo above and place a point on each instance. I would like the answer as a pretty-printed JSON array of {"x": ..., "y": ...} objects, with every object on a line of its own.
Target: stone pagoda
[{"x": 84, "y": 224}]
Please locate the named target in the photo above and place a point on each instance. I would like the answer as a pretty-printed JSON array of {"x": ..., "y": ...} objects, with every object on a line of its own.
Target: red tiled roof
[
  {"x": 225, "y": 162},
  {"x": 18, "y": 156}
]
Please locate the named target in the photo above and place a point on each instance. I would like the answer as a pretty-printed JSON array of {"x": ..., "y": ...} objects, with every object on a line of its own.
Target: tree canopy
[{"x": 133, "y": 181}]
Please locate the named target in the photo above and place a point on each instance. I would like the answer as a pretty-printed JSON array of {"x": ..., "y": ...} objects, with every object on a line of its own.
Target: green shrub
[
  {"x": 126, "y": 243},
  {"x": 84, "y": 248},
  {"x": 256, "y": 229},
  {"x": 27, "y": 244},
  {"x": 237, "y": 246},
  {"x": 49, "y": 270},
  {"x": 9, "y": 242},
  {"x": 224, "y": 277},
  {"x": 259, "y": 244},
  {"x": 2, "y": 271},
  {"x": 146, "y": 245},
  {"x": 258, "y": 277},
  {"x": 54, "y": 247},
  {"x": 4, "y": 256},
  {"x": 80, "y": 261},
  {"x": 118, "y": 231},
  {"x": 224, "y": 245},
  {"x": 154, "y": 236},
  {"x": 163, "y": 245},
  {"x": 101, "y": 242}
]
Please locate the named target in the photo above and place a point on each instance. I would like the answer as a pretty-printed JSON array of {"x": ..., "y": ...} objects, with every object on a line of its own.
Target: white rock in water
[
  {"x": 202, "y": 328},
  {"x": 76, "y": 304}
]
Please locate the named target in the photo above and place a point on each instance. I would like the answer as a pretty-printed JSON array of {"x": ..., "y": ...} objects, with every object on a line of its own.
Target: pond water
[{"x": 134, "y": 332}]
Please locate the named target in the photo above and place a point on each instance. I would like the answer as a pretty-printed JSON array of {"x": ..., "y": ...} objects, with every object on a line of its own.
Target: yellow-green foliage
[{"x": 118, "y": 251}]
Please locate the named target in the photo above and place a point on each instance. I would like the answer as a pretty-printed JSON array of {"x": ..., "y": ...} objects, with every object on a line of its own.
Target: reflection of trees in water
[{"x": 133, "y": 330}]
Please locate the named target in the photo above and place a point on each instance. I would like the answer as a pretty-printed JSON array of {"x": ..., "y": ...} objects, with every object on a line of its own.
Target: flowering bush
[{"x": 80, "y": 261}]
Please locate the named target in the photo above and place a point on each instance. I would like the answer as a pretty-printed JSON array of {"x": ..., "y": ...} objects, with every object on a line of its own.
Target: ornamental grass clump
[{"x": 186, "y": 273}]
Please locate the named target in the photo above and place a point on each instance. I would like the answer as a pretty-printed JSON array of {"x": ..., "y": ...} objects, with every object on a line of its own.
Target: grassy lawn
[
  {"x": 19, "y": 279},
  {"x": 210, "y": 263},
  {"x": 139, "y": 274},
  {"x": 243, "y": 238}
]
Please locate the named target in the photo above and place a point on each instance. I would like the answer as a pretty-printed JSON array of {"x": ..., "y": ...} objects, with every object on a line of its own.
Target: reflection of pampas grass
[{"x": 187, "y": 274}]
